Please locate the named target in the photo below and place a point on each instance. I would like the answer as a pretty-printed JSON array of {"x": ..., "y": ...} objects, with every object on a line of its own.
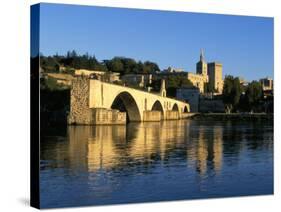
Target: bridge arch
[
  {"x": 185, "y": 109},
  {"x": 175, "y": 107},
  {"x": 125, "y": 102},
  {"x": 158, "y": 106}
]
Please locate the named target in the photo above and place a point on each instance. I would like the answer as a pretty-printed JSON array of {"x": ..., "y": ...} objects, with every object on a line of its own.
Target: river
[{"x": 156, "y": 161}]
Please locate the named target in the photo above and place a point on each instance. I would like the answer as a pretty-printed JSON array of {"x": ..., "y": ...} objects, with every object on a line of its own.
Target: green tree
[
  {"x": 49, "y": 64},
  {"x": 232, "y": 91},
  {"x": 150, "y": 67},
  {"x": 173, "y": 82},
  {"x": 208, "y": 88},
  {"x": 72, "y": 60},
  {"x": 115, "y": 65},
  {"x": 254, "y": 94}
]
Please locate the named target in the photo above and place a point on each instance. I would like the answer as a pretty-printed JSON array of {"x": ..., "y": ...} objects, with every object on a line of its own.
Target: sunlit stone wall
[
  {"x": 80, "y": 113},
  {"x": 151, "y": 116},
  {"x": 172, "y": 115},
  {"x": 103, "y": 116}
]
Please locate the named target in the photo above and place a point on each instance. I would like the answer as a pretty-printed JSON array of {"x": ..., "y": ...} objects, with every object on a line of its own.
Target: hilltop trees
[
  {"x": 49, "y": 64},
  {"x": 125, "y": 65},
  {"x": 72, "y": 60},
  {"x": 150, "y": 67}
]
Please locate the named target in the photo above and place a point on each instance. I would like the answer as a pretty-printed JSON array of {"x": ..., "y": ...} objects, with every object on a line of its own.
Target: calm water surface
[{"x": 140, "y": 162}]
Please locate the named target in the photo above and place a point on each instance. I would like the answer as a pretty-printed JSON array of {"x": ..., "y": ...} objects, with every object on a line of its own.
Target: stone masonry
[{"x": 80, "y": 113}]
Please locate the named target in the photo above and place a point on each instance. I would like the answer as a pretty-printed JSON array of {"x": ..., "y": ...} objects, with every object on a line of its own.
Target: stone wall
[
  {"x": 206, "y": 106},
  {"x": 80, "y": 113},
  {"x": 190, "y": 95},
  {"x": 152, "y": 115},
  {"x": 172, "y": 115},
  {"x": 103, "y": 116},
  {"x": 198, "y": 80}
]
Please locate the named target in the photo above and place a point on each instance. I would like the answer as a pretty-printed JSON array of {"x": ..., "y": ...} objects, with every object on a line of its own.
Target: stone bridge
[{"x": 96, "y": 102}]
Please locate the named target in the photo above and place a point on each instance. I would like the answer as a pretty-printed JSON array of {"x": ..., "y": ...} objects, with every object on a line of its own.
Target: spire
[{"x": 201, "y": 55}]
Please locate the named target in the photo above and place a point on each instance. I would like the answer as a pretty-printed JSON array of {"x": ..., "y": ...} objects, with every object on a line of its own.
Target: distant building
[
  {"x": 201, "y": 77},
  {"x": 173, "y": 70},
  {"x": 243, "y": 81},
  {"x": 267, "y": 84},
  {"x": 190, "y": 95},
  {"x": 205, "y": 73},
  {"x": 198, "y": 80},
  {"x": 215, "y": 76},
  {"x": 113, "y": 76},
  {"x": 102, "y": 75},
  {"x": 201, "y": 66},
  {"x": 63, "y": 79},
  {"x": 62, "y": 69},
  {"x": 87, "y": 72},
  {"x": 140, "y": 80}
]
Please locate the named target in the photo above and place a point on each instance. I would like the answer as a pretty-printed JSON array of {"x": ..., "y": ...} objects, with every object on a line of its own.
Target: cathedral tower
[
  {"x": 201, "y": 66},
  {"x": 215, "y": 76}
]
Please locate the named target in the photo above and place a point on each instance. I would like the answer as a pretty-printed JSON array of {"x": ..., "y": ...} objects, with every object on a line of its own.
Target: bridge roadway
[{"x": 88, "y": 95}]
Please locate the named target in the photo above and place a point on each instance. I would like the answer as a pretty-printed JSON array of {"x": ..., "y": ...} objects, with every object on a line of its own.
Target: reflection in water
[
  {"x": 155, "y": 161},
  {"x": 113, "y": 147}
]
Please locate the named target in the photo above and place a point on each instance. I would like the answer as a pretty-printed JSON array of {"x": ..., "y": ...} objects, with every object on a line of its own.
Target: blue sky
[{"x": 243, "y": 44}]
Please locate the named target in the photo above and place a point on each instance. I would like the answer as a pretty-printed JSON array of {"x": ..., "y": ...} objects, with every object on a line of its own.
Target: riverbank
[{"x": 232, "y": 116}]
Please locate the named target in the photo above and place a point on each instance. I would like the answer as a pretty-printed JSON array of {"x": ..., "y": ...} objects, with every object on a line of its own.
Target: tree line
[
  {"x": 245, "y": 98},
  {"x": 72, "y": 60}
]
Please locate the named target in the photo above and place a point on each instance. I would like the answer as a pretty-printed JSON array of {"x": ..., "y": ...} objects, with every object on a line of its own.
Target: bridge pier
[
  {"x": 172, "y": 115},
  {"x": 152, "y": 115},
  {"x": 99, "y": 116}
]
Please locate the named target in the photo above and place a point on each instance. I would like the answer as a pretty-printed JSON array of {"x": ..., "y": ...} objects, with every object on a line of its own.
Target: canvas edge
[{"x": 35, "y": 104}]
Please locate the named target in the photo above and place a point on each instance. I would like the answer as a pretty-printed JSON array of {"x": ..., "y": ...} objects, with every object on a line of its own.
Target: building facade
[
  {"x": 174, "y": 70},
  {"x": 102, "y": 75},
  {"x": 140, "y": 80},
  {"x": 215, "y": 76},
  {"x": 207, "y": 73},
  {"x": 267, "y": 84},
  {"x": 190, "y": 95},
  {"x": 198, "y": 80},
  {"x": 201, "y": 66},
  {"x": 201, "y": 77}
]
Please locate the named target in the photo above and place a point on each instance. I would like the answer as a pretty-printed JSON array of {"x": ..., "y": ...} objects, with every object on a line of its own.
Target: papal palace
[{"x": 206, "y": 73}]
